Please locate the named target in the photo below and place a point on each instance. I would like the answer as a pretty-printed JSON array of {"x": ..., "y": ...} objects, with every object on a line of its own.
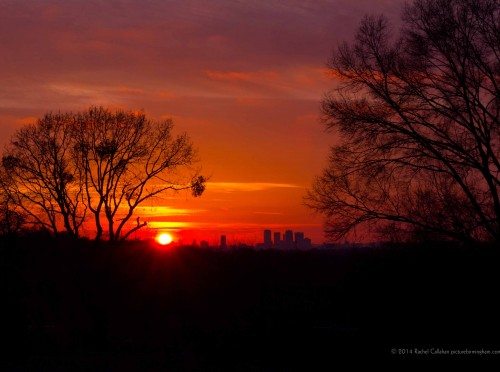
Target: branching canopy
[{"x": 418, "y": 117}]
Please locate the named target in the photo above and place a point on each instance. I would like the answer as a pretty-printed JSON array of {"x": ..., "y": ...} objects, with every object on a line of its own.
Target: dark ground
[{"x": 76, "y": 306}]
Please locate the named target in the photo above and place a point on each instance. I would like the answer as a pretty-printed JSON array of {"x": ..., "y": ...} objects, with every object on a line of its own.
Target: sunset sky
[{"x": 243, "y": 78}]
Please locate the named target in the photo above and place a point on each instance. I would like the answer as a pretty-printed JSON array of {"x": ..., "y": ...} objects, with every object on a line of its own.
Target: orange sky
[{"x": 243, "y": 78}]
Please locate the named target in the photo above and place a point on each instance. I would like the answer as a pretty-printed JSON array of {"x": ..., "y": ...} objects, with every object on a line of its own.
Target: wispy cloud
[
  {"x": 171, "y": 225},
  {"x": 164, "y": 211},
  {"x": 246, "y": 226},
  {"x": 95, "y": 92},
  {"x": 269, "y": 213},
  {"x": 246, "y": 76},
  {"x": 247, "y": 186},
  {"x": 299, "y": 81}
]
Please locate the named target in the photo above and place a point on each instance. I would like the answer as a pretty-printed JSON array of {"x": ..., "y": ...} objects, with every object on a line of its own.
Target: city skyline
[{"x": 291, "y": 240}]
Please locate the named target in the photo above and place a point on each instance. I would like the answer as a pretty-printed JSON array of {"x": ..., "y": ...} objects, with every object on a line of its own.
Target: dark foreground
[{"x": 76, "y": 306}]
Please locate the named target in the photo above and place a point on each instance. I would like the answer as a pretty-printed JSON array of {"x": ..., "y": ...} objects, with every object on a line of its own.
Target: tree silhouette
[
  {"x": 38, "y": 176},
  {"x": 12, "y": 220},
  {"x": 98, "y": 161},
  {"x": 418, "y": 119},
  {"x": 127, "y": 159}
]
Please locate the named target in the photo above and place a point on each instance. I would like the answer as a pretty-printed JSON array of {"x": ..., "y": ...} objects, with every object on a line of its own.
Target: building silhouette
[
  {"x": 290, "y": 240},
  {"x": 299, "y": 240},
  {"x": 288, "y": 244},
  {"x": 267, "y": 239},
  {"x": 277, "y": 239},
  {"x": 223, "y": 241}
]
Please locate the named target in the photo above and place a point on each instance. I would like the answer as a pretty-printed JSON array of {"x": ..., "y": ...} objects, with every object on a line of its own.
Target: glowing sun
[{"x": 164, "y": 238}]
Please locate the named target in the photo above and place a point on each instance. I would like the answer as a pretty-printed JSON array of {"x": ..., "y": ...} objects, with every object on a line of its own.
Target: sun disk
[{"x": 164, "y": 238}]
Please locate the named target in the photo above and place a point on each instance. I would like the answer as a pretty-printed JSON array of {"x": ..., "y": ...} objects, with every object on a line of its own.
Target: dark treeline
[{"x": 132, "y": 306}]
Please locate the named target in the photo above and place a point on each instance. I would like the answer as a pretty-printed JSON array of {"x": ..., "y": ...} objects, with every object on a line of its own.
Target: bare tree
[
  {"x": 127, "y": 159},
  {"x": 418, "y": 119},
  {"x": 56, "y": 170},
  {"x": 12, "y": 220},
  {"x": 38, "y": 177}
]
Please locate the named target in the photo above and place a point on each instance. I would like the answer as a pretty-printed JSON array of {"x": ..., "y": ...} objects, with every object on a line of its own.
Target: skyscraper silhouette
[
  {"x": 267, "y": 239},
  {"x": 299, "y": 240},
  {"x": 288, "y": 239},
  {"x": 277, "y": 239}
]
